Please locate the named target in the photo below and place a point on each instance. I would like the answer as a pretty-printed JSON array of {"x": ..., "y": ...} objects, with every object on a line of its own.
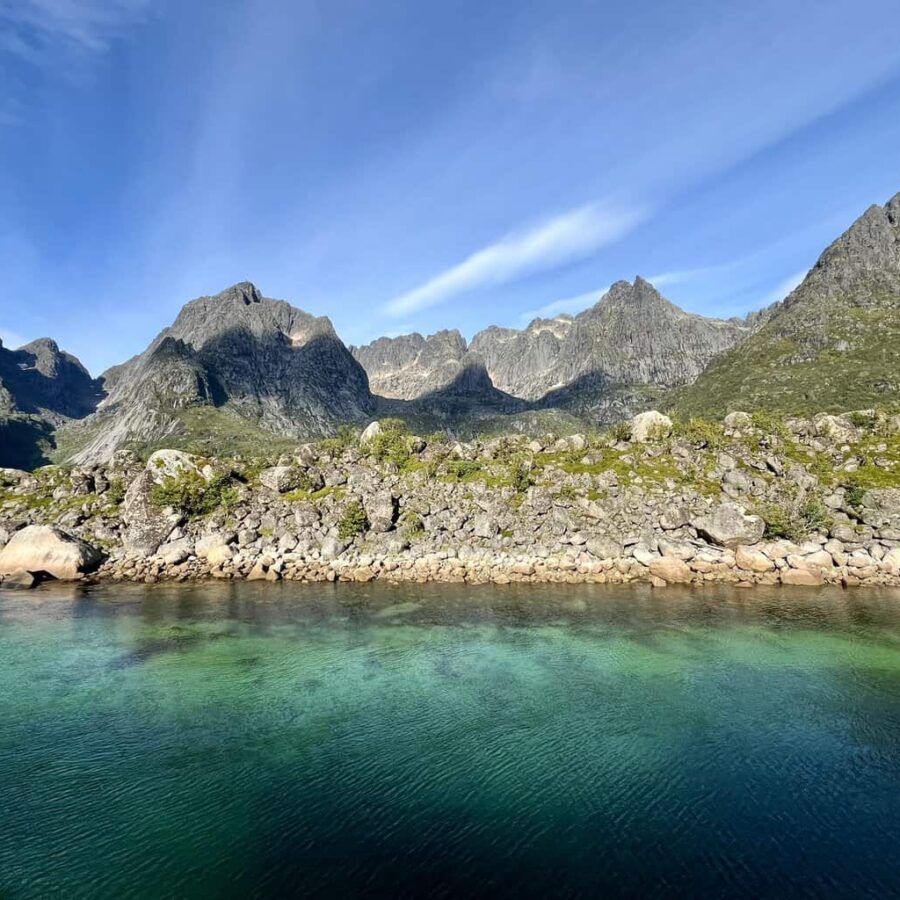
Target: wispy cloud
[
  {"x": 574, "y": 235},
  {"x": 782, "y": 289},
  {"x": 570, "y": 305},
  {"x": 30, "y": 25},
  {"x": 680, "y": 276}
]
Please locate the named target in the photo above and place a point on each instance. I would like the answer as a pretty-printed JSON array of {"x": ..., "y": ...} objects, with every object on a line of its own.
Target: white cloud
[
  {"x": 88, "y": 24},
  {"x": 11, "y": 340},
  {"x": 570, "y": 305},
  {"x": 679, "y": 276},
  {"x": 574, "y": 235},
  {"x": 782, "y": 289}
]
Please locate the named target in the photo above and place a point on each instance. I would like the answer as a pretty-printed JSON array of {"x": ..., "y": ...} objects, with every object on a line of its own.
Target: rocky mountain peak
[{"x": 410, "y": 366}]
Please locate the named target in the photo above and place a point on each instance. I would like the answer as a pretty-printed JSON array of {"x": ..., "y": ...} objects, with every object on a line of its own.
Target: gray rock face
[
  {"x": 728, "y": 526},
  {"x": 631, "y": 336},
  {"x": 147, "y": 526},
  {"x": 411, "y": 365},
  {"x": 264, "y": 359},
  {"x": 41, "y": 379},
  {"x": 40, "y": 387}
]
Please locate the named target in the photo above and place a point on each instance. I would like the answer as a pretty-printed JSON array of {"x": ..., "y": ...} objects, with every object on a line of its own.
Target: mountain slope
[
  {"x": 832, "y": 345},
  {"x": 276, "y": 366},
  {"x": 411, "y": 365},
  {"x": 633, "y": 335},
  {"x": 41, "y": 387}
]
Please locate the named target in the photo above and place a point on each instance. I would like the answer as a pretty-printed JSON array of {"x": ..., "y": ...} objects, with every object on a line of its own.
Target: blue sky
[{"x": 402, "y": 165}]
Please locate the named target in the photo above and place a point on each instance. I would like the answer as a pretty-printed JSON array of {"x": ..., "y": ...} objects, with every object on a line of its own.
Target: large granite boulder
[
  {"x": 147, "y": 526},
  {"x": 382, "y": 510},
  {"x": 165, "y": 464},
  {"x": 43, "y": 548},
  {"x": 650, "y": 426},
  {"x": 280, "y": 479},
  {"x": 728, "y": 526}
]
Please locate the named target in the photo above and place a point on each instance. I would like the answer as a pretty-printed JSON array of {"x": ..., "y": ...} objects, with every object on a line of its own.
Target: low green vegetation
[
  {"x": 193, "y": 495},
  {"x": 353, "y": 522}
]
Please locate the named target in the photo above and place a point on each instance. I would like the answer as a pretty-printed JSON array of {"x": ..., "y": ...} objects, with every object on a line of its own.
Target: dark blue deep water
[{"x": 278, "y": 740}]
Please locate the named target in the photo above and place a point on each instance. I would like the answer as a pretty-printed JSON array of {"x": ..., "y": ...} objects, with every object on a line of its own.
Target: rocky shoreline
[{"x": 746, "y": 501}]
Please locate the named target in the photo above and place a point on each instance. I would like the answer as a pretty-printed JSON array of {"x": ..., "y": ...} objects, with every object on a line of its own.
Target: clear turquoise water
[{"x": 270, "y": 741}]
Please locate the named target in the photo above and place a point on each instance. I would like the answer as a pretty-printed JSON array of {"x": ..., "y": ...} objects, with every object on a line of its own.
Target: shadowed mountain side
[
  {"x": 599, "y": 400},
  {"x": 25, "y": 442},
  {"x": 41, "y": 379},
  {"x": 470, "y": 395},
  {"x": 304, "y": 391},
  {"x": 41, "y": 387}
]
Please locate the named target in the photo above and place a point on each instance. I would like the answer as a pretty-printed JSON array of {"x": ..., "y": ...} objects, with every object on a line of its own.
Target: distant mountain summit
[
  {"x": 265, "y": 360},
  {"x": 41, "y": 387},
  {"x": 832, "y": 344},
  {"x": 633, "y": 335},
  {"x": 410, "y": 366},
  {"x": 40, "y": 379}
]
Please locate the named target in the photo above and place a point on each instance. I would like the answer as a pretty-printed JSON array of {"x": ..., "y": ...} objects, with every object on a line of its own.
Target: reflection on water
[{"x": 273, "y": 740}]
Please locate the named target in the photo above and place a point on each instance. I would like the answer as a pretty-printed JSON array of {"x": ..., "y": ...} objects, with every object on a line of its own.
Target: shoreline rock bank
[{"x": 746, "y": 501}]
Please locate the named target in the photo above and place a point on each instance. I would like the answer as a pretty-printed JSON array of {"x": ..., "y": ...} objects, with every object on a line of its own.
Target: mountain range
[{"x": 238, "y": 366}]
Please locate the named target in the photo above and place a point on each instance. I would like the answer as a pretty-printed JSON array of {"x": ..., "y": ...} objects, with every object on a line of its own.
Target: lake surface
[{"x": 279, "y": 740}]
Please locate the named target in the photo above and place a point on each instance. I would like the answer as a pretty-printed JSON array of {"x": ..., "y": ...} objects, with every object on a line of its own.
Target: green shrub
[
  {"x": 795, "y": 518},
  {"x": 701, "y": 433},
  {"x": 344, "y": 439},
  {"x": 116, "y": 492},
  {"x": 461, "y": 469},
  {"x": 354, "y": 521},
  {"x": 853, "y": 493},
  {"x": 621, "y": 431},
  {"x": 190, "y": 493},
  {"x": 520, "y": 476},
  {"x": 769, "y": 424},
  {"x": 411, "y": 524},
  {"x": 391, "y": 444}
]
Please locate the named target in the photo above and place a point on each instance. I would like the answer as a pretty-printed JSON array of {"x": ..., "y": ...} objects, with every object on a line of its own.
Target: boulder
[
  {"x": 737, "y": 421},
  {"x": 332, "y": 547},
  {"x": 650, "y": 426},
  {"x": 210, "y": 540},
  {"x": 165, "y": 464},
  {"x": 837, "y": 428},
  {"x": 218, "y": 554},
  {"x": 280, "y": 479},
  {"x": 890, "y": 562},
  {"x": 147, "y": 526},
  {"x": 671, "y": 570},
  {"x": 176, "y": 552},
  {"x": 486, "y": 526},
  {"x": 382, "y": 510},
  {"x": 43, "y": 548},
  {"x": 604, "y": 548},
  {"x": 674, "y": 517},
  {"x": 804, "y": 577},
  {"x": 370, "y": 432},
  {"x": 728, "y": 526},
  {"x": 752, "y": 560}
]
